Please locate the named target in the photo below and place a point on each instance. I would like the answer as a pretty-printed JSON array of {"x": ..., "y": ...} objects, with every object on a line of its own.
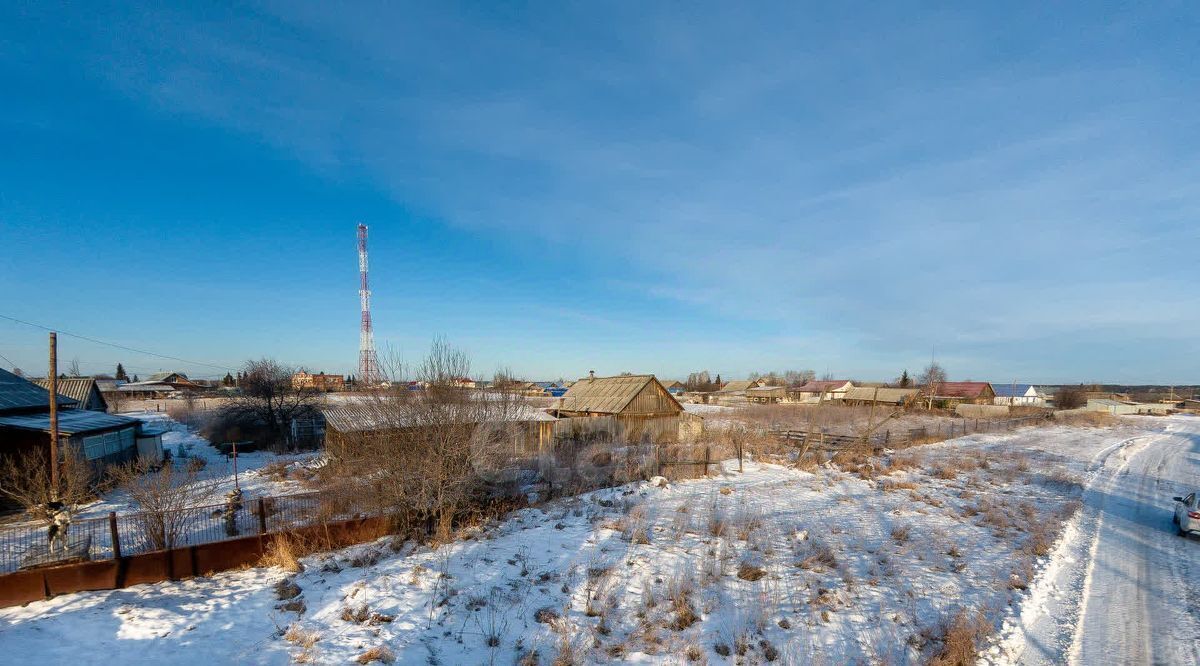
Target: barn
[{"x": 629, "y": 408}]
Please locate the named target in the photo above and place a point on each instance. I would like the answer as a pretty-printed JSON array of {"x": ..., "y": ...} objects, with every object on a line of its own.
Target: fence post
[
  {"x": 262, "y": 516},
  {"x": 116, "y": 539},
  {"x": 706, "y": 461}
]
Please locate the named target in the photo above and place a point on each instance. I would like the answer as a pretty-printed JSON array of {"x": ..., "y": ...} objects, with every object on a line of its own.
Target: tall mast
[{"x": 368, "y": 364}]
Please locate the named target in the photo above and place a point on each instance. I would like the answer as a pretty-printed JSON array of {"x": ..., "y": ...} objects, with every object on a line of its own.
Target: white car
[{"x": 1187, "y": 514}]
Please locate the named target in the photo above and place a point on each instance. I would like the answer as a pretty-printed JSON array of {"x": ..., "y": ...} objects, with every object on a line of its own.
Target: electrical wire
[{"x": 117, "y": 346}]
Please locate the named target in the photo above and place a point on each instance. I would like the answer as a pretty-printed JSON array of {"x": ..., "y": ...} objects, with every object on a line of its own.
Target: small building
[
  {"x": 177, "y": 381},
  {"x": 629, "y": 408},
  {"x": 740, "y": 386},
  {"x": 318, "y": 382},
  {"x": 343, "y": 423},
  {"x": 1018, "y": 395},
  {"x": 25, "y": 425},
  {"x": 952, "y": 394},
  {"x": 83, "y": 390},
  {"x": 892, "y": 397},
  {"x": 769, "y": 394},
  {"x": 673, "y": 386},
  {"x": 823, "y": 389}
]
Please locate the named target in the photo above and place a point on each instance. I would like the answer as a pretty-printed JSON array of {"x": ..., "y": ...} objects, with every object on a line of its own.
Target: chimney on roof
[{"x": 591, "y": 374}]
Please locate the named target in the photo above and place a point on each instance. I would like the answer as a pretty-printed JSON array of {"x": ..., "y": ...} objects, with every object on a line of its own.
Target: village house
[
  {"x": 629, "y": 408},
  {"x": 1018, "y": 395},
  {"x": 176, "y": 380},
  {"x": 318, "y": 382},
  {"x": 673, "y": 386},
  {"x": 823, "y": 390},
  {"x": 769, "y": 394},
  {"x": 740, "y": 386},
  {"x": 102, "y": 438}
]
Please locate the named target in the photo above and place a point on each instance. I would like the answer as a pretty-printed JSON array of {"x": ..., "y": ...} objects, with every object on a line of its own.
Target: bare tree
[
  {"x": 269, "y": 400},
  {"x": 431, "y": 452},
  {"x": 73, "y": 368},
  {"x": 931, "y": 378},
  {"x": 113, "y": 399},
  {"x": 165, "y": 497},
  {"x": 1070, "y": 397},
  {"x": 25, "y": 478}
]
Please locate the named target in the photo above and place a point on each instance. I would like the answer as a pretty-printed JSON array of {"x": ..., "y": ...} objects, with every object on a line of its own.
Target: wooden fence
[{"x": 826, "y": 441}]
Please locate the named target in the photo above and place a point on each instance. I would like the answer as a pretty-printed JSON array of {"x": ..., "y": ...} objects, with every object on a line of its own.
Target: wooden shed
[{"x": 631, "y": 408}]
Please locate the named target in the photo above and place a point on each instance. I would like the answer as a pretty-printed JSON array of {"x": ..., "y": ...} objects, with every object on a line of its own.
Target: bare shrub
[
  {"x": 269, "y": 402},
  {"x": 432, "y": 453},
  {"x": 25, "y": 478},
  {"x": 900, "y": 533},
  {"x": 165, "y": 497},
  {"x": 961, "y": 638}
]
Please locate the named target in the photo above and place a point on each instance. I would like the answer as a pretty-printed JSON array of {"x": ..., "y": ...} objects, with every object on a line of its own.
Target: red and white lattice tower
[{"x": 368, "y": 364}]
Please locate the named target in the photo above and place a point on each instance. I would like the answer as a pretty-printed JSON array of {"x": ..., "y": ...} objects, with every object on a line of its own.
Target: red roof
[{"x": 961, "y": 389}]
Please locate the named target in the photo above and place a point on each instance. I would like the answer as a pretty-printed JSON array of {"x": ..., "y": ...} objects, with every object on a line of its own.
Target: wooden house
[{"x": 629, "y": 408}]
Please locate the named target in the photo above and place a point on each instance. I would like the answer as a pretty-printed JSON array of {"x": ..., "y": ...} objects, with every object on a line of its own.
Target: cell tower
[{"x": 368, "y": 364}]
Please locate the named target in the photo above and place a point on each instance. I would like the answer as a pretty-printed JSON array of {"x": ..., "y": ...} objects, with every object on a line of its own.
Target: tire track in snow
[{"x": 1118, "y": 586}]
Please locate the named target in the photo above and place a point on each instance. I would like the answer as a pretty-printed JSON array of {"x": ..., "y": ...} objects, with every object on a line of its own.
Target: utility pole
[{"x": 53, "y": 416}]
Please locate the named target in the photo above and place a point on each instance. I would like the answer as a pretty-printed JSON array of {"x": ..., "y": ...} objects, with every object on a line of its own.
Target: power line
[{"x": 110, "y": 344}]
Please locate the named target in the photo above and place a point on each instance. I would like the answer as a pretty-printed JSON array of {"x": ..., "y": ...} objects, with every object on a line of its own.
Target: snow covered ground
[
  {"x": 773, "y": 564},
  {"x": 1120, "y": 587}
]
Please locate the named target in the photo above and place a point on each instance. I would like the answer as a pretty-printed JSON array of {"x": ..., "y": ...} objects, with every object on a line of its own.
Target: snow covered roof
[{"x": 367, "y": 417}]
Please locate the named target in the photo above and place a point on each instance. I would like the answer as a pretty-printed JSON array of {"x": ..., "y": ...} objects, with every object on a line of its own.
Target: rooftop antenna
[{"x": 368, "y": 363}]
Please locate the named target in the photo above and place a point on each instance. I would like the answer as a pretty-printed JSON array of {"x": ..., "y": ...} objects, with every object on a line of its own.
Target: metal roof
[
  {"x": 1011, "y": 390},
  {"x": 368, "y": 417},
  {"x": 146, "y": 386},
  {"x": 18, "y": 393},
  {"x": 76, "y": 388},
  {"x": 70, "y": 422},
  {"x": 895, "y": 395},
  {"x": 605, "y": 395}
]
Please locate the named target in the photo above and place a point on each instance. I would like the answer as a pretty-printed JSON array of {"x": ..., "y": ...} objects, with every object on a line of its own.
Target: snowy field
[{"x": 770, "y": 565}]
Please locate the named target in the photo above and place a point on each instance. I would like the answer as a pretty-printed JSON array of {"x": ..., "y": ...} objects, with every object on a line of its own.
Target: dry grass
[
  {"x": 900, "y": 533},
  {"x": 1085, "y": 419},
  {"x": 301, "y": 637},
  {"x": 960, "y": 639},
  {"x": 380, "y": 654},
  {"x": 283, "y": 551}
]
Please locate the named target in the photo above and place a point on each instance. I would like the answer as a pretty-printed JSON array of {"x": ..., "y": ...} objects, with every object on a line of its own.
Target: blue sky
[{"x": 638, "y": 187}]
